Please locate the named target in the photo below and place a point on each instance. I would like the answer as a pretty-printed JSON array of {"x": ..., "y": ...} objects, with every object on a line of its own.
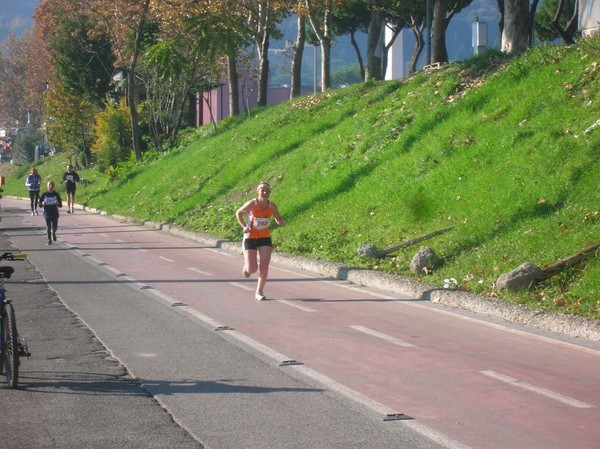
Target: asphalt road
[{"x": 143, "y": 339}]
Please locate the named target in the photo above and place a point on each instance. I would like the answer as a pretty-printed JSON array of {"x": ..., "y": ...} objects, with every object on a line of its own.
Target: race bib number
[
  {"x": 261, "y": 223},
  {"x": 50, "y": 201}
]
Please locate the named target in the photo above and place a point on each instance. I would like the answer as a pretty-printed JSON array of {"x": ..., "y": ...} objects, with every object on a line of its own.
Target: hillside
[{"x": 492, "y": 146}]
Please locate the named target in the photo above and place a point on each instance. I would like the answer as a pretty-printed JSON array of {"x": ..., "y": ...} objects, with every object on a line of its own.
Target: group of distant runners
[{"x": 50, "y": 200}]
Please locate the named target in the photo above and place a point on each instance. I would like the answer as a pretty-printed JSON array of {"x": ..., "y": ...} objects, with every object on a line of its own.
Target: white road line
[
  {"x": 119, "y": 241},
  {"x": 196, "y": 270},
  {"x": 103, "y": 234},
  {"x": 166, "y": 259},
  {"x": 539, "y": 390},
  {"x": 223, "y": 253},
  {"x": 144, "y": 250},
  {"x": 385, "y": 337},
  {"x": 243, "y": 287},
  {"x": 404, "y": 302},
  {"x": 297, "y": 306}
]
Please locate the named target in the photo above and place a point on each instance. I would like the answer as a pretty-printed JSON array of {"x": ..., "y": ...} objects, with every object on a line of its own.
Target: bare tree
[
  {"x": 374, "y": 45},
  {"x": 296, "y": 89}
]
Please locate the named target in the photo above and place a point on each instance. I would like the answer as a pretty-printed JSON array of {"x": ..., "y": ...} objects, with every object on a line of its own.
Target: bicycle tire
[
  {"x": 3, "y": 324},
  {"x": 11, "y": 348}
]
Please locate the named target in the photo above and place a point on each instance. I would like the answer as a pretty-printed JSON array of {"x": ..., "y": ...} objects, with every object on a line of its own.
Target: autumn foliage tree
[{"x": 170, "y": 49}]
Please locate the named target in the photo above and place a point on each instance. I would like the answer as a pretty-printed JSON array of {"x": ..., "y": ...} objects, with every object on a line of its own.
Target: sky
[{"x": 16, "y": 17}]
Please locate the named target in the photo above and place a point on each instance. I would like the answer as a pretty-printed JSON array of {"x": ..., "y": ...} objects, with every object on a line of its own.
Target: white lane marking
[
  {"x": 410, "y": 303},
  {"x": 385, "y": 337},
  {"x": 222, "y": 253},
  {"x": 119, "y": 241},
  {"x": 243, "y": 287},
  {"x": 103, "y": 234},
  {"x": 297, "y": 306},
  {"x": 144, "y": 250},
  {"x": 539, "y": 390},
  {"x": 196, "y": 270},
  {"x": 166, "y": 259}
]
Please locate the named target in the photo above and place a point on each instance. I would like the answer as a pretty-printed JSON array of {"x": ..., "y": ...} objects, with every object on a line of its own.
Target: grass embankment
[{"x": 493, "y": 147}]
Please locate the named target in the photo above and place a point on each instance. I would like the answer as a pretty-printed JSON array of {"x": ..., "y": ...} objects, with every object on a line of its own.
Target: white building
[{"x": 589, "y": 16}]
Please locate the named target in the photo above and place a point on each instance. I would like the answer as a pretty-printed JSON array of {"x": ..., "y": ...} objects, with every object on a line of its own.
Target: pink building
[{"x": 214, "y": 105}]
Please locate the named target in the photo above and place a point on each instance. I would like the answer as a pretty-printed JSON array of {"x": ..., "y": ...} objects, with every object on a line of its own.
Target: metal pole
[
  {"x": 315, "y": 68},
  {"x": 428, "y": 26}
]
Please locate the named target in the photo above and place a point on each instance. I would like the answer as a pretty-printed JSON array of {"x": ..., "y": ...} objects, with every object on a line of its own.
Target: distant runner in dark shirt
[
  {"x": 51, "y": 201},
  {"x": 70, "y": 179}
]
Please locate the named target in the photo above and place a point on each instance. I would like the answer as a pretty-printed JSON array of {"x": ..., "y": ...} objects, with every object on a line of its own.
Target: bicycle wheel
[
  {"x": 3, "y": 324},
  {"x": 10, "y": 350}
]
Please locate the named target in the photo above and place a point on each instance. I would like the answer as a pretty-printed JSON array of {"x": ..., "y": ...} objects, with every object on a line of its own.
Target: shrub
[{"x": 113, "y": 142}]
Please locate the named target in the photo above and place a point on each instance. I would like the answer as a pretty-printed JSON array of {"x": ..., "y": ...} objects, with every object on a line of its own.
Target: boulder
[
  {"x": 521, "y": 278},
  {"x": 424, "y": 261}
]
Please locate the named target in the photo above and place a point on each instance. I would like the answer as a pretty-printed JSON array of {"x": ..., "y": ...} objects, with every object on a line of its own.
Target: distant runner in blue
[{"x": 33, "y": 184}]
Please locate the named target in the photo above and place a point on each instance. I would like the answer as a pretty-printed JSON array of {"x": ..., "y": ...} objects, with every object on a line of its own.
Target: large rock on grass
[{"x": 523, "y": 277}]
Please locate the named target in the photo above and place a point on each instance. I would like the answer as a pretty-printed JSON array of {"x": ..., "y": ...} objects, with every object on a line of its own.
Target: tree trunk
[
  {"x": 234, "y": 86},
  {"x": 135, "y": 126},
  {"x": 500, "y": 4},
  {"x": 570, "y": 261},
  {"x": 325, "y": 63},
  {"x": 296, "y": 89},
  {"x": 359, "y": 58},
  {"x": 323, "y": 33},
  {"x": 374, "y": 46},
  {"x": 262, "y": 43},
  {"x": 263, "y": 71},
  {"x": 417, "y": 49},
  {"x": 133, "y": 114},
  {"x": 439, "y": 52},
  {"x": 325, "y": 40},
  {"x": 517, "y": 33}
]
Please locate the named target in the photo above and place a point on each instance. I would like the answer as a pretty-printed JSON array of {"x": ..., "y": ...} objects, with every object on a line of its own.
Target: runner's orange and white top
[{"x": 259, "y": 220}]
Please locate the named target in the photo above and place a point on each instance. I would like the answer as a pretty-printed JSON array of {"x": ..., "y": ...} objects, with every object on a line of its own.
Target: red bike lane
[{"x": 477, "y": 381}]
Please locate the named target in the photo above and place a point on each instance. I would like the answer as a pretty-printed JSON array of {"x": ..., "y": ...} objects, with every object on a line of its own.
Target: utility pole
[{"x": 428, "y": 26}]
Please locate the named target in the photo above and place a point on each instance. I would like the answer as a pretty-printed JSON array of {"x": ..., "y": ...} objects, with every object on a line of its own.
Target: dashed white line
[
  {"x": 539, "y": 390},
  {"x": 297, "y": 306},
  {"x": 203, "y": 273},
  {"x": 243, "y": 287},
  {"x": 385, "y": 337},
  {"x": 222, "y": 253},
  {"x": 166, "y": 259}
]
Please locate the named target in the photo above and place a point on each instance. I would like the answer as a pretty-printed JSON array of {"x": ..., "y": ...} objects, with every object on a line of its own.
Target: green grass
[{"x": 493, "y": 146}]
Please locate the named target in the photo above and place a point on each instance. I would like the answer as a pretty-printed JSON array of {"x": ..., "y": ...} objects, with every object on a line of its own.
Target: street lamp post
[{"x": 428, "y": 26}]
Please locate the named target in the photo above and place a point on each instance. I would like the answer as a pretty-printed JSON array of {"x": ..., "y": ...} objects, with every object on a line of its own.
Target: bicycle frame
[{"x": 12, "y": 347}]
